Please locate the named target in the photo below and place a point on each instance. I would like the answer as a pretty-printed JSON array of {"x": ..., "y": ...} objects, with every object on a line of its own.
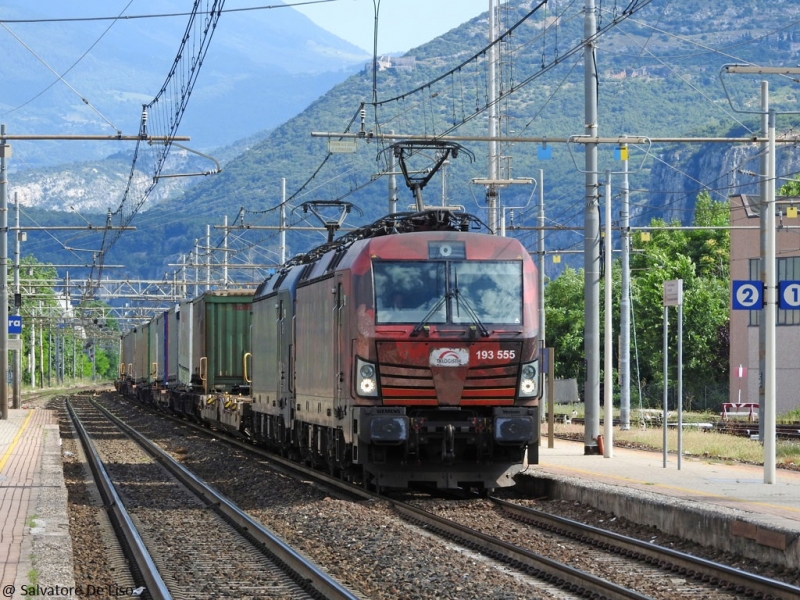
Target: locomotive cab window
[
  {"x": 405, "y": 292},
  {"x": 453, "y": 291},
  {"x": 487, "y": 290}
]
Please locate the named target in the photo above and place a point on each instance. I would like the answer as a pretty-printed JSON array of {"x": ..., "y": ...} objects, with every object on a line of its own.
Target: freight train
[{"x": 402, "y": 353}]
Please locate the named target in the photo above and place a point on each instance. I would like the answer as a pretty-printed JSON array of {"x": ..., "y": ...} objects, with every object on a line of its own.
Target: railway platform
[
  {"x": 35, "y": 546},
  {"x": 714, "y": 503}
]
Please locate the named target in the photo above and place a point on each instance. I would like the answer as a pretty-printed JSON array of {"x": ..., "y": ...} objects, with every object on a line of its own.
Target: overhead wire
[
  {"x": 60, "y": 78},
  {"x": 169, "y": 118},
  {"x": 317, "y": 171},
  {"x": 701, "y": 186},
  {"x": 295, "y": 194},
  {"x": 633, "y": 7},
  {"x": 673, "y": 69},
  {"x": 167, "y": 15},
  {"x": 178, "y": 95}
]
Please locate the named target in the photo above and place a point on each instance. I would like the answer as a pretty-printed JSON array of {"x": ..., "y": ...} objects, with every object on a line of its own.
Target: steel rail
[
  {"x": 434, "y": 522},
  {"x": 753, "y": 585},
  {"x": 307, "y": 572},
  {"x": 542, "y": 567},
  {"x": 155, "y": 587},
  {"x": 538, "y": 566}
]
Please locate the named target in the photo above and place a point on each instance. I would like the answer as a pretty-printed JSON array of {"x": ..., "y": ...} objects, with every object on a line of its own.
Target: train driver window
[
  {"x": 405, "y": 292},
  {"x": 492, "y": 290}
]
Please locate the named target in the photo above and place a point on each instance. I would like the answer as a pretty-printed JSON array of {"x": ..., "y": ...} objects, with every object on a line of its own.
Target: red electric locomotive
[{"x": 405, "y": 352}]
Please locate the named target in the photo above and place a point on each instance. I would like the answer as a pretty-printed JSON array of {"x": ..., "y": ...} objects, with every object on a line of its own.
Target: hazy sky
[{"x": 402, "y": 24}]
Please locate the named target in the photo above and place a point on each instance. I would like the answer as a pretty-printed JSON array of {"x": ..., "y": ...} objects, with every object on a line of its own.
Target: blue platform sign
[
  {"x": 789, "y": 295},
  {"x": 14, "y": 324},
  {"x": 747, "y": 295}
]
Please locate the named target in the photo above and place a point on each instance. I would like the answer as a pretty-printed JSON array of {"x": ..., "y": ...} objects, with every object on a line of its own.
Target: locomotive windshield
[{"x": 448, "y": 291}]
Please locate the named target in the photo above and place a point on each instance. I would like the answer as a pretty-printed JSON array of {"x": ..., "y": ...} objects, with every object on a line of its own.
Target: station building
[{"x": 745, "y": 265}]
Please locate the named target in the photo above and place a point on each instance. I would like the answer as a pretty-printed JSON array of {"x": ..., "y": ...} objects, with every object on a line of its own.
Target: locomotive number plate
[{"x": 449, "y": 357}]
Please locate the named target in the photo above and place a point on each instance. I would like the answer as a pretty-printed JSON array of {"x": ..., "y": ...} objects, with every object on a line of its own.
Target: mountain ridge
[
  {"x": 676, "y": 92},
  {"x": 108, "y": 70}
]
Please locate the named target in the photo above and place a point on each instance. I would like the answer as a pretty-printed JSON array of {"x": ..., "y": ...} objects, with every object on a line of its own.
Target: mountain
[
  {"x": 261, "y": 68},
  {"x": 659, "y": 76},
  {"x": 97, "y": 186},
  {"x": 684, "y": 171}
]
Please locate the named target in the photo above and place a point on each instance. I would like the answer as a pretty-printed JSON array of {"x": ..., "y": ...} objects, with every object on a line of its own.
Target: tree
[
  {"x": 790, "y": 188},
  {"x": 564, "y": 321},
  {"x": 58, "y": 331},
  {"x": 38, "y": 302},
  {"x": 701, "y": 259}
]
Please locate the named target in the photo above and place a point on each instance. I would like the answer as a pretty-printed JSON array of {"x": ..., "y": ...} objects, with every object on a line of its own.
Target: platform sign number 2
[{"x": 747, "y": 295}]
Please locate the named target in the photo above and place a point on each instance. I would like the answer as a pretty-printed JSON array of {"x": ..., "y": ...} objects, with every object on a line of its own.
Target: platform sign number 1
[{"x": 789, "y": 295}]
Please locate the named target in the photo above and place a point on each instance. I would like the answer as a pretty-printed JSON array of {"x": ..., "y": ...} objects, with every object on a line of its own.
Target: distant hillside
[
  {"x": 262, "y": 67},
  {"x": 97, "y": 186},
  {"x": 659, "y": 77}
]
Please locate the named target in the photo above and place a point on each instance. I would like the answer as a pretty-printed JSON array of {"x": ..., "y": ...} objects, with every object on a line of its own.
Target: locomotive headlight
[
  {"x": 529, "y": 380},
  {"x": 366, "y": 380}
]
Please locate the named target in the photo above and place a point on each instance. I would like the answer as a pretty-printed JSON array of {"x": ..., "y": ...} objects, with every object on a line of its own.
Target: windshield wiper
[
  {"x": 470, "y": 312},
  {"x": 418, "y": 327}
]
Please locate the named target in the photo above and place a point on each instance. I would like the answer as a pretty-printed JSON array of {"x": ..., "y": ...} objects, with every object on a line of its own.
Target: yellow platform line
[{"x": 7, "y": 455}]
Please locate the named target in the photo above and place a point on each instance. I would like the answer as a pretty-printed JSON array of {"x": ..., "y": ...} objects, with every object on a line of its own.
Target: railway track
[
  {"x": 742, "y": 429},
  {"x": 186, "y": 540},
  {"x": 708, "y": 575},
  {"x": 350, "y": 532},
  {"x": 131, "y": 543},
  {"x": 568, "y": 580},
  {"x": 601, "y": 563},
  {"x": 659, "y": 568},
  {"x": 556, "y": 579},
  {"x": 42, "y": 397}
]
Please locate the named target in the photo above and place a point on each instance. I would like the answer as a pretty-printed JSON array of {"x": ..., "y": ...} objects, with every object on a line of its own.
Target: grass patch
[
  {"x": 789, "y": 418},
  {"x": 33, "y": 577},
  {"x": 31, "y": 521},
  {"x": 708, "y": 444}
]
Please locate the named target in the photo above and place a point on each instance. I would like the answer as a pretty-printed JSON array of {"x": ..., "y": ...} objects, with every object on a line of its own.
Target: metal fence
[{"x": 696, "y": 397}]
